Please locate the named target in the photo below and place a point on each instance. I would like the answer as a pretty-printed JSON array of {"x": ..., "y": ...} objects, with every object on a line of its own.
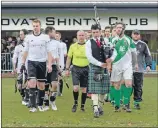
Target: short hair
[
  {"x": 24, "y": 31},
  {"x": 36, "y": 21},
  {"x": 81, "y": 31},
  {"x": 49, "y": 29},
  {"x": 95, "y": 27},
  {"x": 58, "y": 33},
  {"x": 107, "y": 27},
  {"x": 117, "y": 23}
]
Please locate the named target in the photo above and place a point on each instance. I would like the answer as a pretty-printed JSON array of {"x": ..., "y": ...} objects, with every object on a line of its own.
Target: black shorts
[
  {"x": 80, "y": 76},
  {"x": 37, "y": 70},
  {"x": 53, "y": 76}
]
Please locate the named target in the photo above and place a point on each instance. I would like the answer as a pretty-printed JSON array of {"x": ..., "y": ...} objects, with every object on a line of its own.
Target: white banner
[{"x": 71, "y": 19}]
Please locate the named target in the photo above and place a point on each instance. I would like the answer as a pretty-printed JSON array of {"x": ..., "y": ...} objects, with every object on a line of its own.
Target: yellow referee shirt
[{"x": 78, "y": 52}]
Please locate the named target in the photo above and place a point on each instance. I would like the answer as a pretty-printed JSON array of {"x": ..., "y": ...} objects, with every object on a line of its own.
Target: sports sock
[
  {"x": 32, "y": 95},
  {"x": 22, "y": 93},
  {"x": 53, "y": 96},
  {"x": 112, "y": 93},
  {"x": 75, "y": 94},
  {"x": 46, "y": 97},
  {"x": 27, "y": 95},
  {"x": 117, "y": 97},
  {"x": 41, "y": 94},
  {"x": 101, "y": 99},
  {"x": 122, "y": 91},
  {"x": 127, "y": 95},
  {"x": 83, "y": 99},
  {"x": 61, "y": 86}
]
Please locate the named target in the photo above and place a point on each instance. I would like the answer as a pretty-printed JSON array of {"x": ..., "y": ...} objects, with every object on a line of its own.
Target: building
[{"x": 70, "y": 17}]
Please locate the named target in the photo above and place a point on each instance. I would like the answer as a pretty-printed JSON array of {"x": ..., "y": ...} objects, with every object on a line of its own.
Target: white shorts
[{"x": 118, "y": 75}]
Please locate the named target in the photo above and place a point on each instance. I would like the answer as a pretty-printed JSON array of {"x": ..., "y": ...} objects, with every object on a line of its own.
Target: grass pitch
[{"x": 16, "y": 115}]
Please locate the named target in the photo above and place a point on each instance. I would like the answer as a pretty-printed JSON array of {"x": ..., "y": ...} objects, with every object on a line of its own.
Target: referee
[{"x": 80, "y": 69}]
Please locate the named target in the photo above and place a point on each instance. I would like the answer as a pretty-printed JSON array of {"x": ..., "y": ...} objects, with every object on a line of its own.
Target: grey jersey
[
  {"x": 143, "y": 55},
  {"x": 37, "y": 47}
]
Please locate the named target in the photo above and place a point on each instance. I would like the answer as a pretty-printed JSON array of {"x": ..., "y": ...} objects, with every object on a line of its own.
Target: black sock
[
  {"x": 61, "y": 86},
  {"x": 26, "y": 95},
  {"x": 46, "y": 97},
  {"x": 75, "y": 94},
  {"x": 83, "y": 99},
  {"x": 32, "y": 95},
  {"x": 53, "y": 96},
  {"x": 41, "y": 94},
  {"x": 22, "y": 93}
]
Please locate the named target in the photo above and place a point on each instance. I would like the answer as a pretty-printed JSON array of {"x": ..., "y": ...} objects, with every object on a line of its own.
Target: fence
[{"x": 6, "y": 62}]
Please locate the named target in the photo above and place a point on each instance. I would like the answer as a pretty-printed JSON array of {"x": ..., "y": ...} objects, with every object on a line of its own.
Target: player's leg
[
  {"x": 112, "y": 94},
  {"x": 41, "y": 78},
  {"x": 116, "y": 76},
  {"x": 128, "y": 88},
  {"x": 20, "y": 88},
  {"x": 54, "y": 84},
  {"x": 32, "y": 85},
  {"x": 83, "y": 85},
  {"x": 137, "y": 87},
  {"x": 75, "y": 81},
  {"x": 60, "y": 90}
]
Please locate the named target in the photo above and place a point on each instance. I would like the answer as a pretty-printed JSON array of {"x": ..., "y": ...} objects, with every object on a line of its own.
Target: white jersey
[
  {"x": 17, "y": 56},
  {"x": 37, "y": 47},
  {"x": 54, "y": 47},
  {"x": 62, "y": 51}
]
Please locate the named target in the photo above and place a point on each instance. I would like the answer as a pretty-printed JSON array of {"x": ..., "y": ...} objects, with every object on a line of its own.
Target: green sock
[
  {"x": 111, "y": 92},
  {"x": 122, "y": 89},
  {"x": 135, "y": 102},
  {"x": 117, "y": 97},
  {"x": 127, "y": 95}
]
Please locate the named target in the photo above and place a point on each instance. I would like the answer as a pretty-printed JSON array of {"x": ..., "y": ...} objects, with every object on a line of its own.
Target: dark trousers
[{"x": 137, "y": 86}]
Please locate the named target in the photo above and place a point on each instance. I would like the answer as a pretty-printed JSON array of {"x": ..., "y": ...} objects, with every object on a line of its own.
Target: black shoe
[
  {"x": 82, "y": 109},
  {"x": 137, "y": 106},
  {"x": 101, "y": 112},
  {"x": 112, "y": 102},
  {"x": 117, "y": 109},
  {"x": 74, "y": 108},
  {"x": 96, "y": 114},
  {"x": 127, "y": 108},
  {"x": 121, "y": 102}
]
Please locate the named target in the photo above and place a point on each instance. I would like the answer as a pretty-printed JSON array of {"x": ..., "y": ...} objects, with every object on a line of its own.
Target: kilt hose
[{"x": 98, "y": 87}]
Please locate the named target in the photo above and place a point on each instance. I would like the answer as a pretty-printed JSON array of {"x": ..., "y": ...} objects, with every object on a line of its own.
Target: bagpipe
[{"x": 107, "y": 50}]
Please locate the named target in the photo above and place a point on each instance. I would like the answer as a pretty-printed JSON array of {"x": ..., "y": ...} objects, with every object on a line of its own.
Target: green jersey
[{"x": 122, "y": 56}]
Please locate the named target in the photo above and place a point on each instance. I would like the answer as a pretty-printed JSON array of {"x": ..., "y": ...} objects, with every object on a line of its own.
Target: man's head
[
  {"x": 23, "y": 33},
  {"x": 58, "y": 36},
  {"x": 36, "y": 26},
  {"x": 10, "y": 39},
  {"x": 81, "y": 36},
  {"x": 87, "y": 35},
  {"x": 135, "y": 34},
  {"x": 120, "y": 28},
  {"x": 107, "y": 31},
  {"x": 96, "y": 31},
  {"x": 113, "y": 33},
  {"x": 50, "y": 31}
]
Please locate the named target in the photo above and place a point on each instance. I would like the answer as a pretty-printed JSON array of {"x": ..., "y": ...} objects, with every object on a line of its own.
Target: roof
[{"x": 81, "y": 3}]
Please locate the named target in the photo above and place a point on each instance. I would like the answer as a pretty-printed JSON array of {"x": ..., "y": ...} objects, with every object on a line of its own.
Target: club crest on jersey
[{"x": 122, "y": 48}]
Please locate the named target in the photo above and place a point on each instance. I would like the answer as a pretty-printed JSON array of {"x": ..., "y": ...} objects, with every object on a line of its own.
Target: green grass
[{"x": 16, "y": 115}]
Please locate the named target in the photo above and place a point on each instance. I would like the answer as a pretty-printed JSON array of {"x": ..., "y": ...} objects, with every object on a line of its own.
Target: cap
[{"x": 136, "y": 31}]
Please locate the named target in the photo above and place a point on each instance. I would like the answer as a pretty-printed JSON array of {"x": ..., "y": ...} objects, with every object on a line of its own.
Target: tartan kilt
[{"x": 98, "y": 87}]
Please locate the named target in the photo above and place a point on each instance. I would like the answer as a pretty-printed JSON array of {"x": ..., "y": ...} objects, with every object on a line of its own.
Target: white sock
[
  {"x": 95, "y": 101},
  {"x": 101, "y": 99}
]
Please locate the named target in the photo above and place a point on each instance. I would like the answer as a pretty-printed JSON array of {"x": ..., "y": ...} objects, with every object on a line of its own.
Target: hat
[{"x": 136, "y": 31}]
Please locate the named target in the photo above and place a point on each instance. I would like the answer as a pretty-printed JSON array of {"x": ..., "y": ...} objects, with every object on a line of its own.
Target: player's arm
[
  {"x": 148, "y": 59},
  {"x": 134, "y": 54},
  {"x": 26, "y": 49},
  {"x": 15, "y": 57},
  {"x": 65, "y": 50}
]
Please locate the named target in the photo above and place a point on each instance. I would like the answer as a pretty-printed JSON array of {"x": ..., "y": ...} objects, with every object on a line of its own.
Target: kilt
[{"x": 98, "y": 87}]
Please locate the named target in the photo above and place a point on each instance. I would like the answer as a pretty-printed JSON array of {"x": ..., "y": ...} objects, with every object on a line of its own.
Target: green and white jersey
[{"x": 122, "y": 56}]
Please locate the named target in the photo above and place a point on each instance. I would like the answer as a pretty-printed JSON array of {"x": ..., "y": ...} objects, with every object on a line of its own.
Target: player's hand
[
  {"x": 14, "y": 71},
  {"x": 109, "y": 67},
  {"x": 49, "y": 68},
  {"x": 136, "y": 67},
  {"x": 22, "y": 68},
  {"x": 108, "y": 60},
  {"x": 148, "y": 68},
  {"x": 103, "y": 65},
  {"x": 67, "y": 73}
]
